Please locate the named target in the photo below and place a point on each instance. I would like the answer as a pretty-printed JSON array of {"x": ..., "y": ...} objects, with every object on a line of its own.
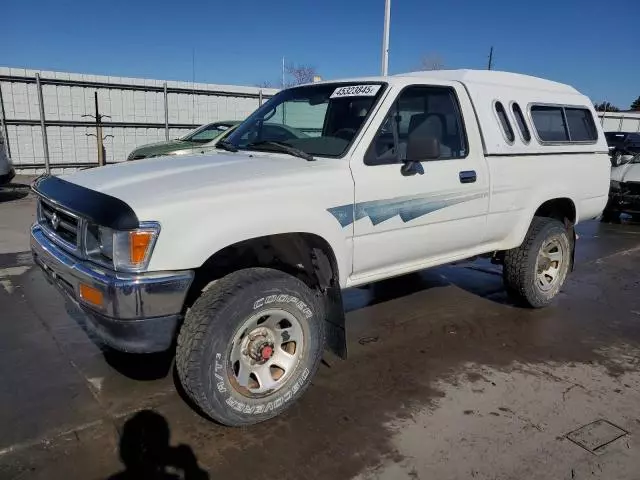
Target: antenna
[
  {"x": 193, "y": 85},
  {"x": 490, "y": 59},
  {"x": 282, "y": 72}
]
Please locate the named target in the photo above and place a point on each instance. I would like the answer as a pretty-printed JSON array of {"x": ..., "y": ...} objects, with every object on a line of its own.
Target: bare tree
[
  {"x": 431, "y": 62},
  {"x": 299, "y": 74},
  {"x": 265, "y": 84},
  {"x": 605, "y": 107}
]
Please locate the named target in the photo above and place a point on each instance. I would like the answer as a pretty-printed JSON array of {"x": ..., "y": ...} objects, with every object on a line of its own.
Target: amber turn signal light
[
  {"x": 91, "y": 295},
  {"x": 139, "y": 242}
]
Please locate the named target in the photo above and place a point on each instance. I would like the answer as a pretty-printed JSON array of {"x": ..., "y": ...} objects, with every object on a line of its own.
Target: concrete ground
[{"x": 445, "y": 380}]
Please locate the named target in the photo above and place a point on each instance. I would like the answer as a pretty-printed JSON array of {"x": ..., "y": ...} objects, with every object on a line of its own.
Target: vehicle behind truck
[
  {"x": 238, "y": 260},
  {"x": 7, "y": 172}
]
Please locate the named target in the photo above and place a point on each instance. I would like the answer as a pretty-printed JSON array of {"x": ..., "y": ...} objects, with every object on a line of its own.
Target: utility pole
[
  {"x": 385, "y": 38},
  {"x": 490, "y": 59},
  {"x": 99, "y": 138},
  {"x": 43, "y": 125}
]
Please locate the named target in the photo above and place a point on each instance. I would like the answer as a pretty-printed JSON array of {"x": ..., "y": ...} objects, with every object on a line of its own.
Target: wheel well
[
  {"x": 562, "y": 209},
  {"x": 303, "y": 255}
]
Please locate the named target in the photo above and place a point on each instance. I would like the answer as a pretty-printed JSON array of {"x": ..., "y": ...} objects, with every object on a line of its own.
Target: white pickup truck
[{"x": 238, "y": 258}]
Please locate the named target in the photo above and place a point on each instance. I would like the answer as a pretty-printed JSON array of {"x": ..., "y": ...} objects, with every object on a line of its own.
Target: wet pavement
[{"x": 445, "y": 379}]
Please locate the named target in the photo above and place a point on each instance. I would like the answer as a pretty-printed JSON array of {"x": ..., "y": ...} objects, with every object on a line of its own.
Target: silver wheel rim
[
  {"x": 265, "y": 352},
  {"x": 549, "y": 264}
]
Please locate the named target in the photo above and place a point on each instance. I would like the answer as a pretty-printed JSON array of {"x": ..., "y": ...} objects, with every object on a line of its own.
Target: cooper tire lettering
[{"x": 258, "y": 303}]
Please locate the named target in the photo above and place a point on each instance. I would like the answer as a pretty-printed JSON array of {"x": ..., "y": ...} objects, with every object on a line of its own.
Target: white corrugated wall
[{"x": 71, "y": 145}]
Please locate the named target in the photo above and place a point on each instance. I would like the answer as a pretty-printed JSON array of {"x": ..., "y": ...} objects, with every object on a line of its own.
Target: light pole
[{"x": 385, "y": 38}]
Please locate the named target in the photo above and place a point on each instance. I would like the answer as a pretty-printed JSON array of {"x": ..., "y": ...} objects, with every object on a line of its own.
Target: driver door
[{"x": 438, "y": 211}]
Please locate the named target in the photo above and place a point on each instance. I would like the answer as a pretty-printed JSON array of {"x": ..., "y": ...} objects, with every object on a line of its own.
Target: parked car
[
  {"x": 197, "y": 141},
  {"x": 192, "y": 142},
  {"x": 7, "y": 172},
  {"x": 623, "y": 142},
  {"x": 240, "y": 262},
  {"x": 624, "y": 191}
]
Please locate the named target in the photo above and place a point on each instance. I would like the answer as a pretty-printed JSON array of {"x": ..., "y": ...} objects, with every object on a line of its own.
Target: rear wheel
[
  {"x": 535, "y": 271},
  {"x": 250, "y": 345}
]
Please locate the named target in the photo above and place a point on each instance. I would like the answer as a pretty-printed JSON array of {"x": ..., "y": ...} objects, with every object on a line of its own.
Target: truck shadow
[
  {"x": 478, "y": 278},
  {"x": 143, "y": 367}
]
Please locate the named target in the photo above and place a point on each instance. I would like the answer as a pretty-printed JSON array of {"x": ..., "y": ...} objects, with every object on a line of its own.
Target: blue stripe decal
[
  {"x": 343, "y": 214},
  {"x": 407, "y": 208}
]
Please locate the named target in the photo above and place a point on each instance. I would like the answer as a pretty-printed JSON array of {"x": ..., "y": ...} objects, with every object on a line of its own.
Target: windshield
[
  {"x": 319, "y": 120},
  {"x": 206, "y": 133}
]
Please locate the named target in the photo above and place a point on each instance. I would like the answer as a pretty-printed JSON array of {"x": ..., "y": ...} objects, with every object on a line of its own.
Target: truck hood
[
  {"x": 145, "y": 184},
  {"x": 626, "y": 173}
]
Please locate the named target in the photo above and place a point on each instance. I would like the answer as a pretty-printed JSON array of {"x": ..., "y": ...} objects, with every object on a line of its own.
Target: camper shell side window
[{"x": 562, "y": 124}]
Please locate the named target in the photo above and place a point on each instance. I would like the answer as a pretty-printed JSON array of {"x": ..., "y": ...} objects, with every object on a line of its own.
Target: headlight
[{"x": 128, "y": 251}]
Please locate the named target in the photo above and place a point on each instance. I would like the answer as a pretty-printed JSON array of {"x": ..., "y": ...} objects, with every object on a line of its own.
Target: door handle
[{"x": 468, "y": 176}]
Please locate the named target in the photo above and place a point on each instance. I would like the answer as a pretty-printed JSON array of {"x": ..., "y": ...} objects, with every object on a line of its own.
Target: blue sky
[{"x": 590, "y": 44}]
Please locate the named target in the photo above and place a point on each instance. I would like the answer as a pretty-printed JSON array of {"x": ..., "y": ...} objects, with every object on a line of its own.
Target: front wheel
[
  {"x": 250, "y": 345},
  {"x": 535, "y": 271}
]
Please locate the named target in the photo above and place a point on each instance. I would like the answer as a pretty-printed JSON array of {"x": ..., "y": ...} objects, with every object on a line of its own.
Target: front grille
[
  {"x": 60, "y": 224},
  {"x": 631, "y": 188}
]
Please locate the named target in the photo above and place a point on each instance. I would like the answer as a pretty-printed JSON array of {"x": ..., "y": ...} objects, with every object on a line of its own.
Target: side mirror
[
  {"x": 419, "y": 149},
  {"x": 422, "y": 148}
]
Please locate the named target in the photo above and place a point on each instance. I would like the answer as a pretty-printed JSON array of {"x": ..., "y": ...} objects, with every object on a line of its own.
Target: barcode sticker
[{"x": 356, "y": 91}]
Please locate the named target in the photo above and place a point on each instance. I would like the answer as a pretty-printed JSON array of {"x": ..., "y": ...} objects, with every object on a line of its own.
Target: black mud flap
[
  {"x": 334, "y": 316},
  {"x": 573, "y": 249}
]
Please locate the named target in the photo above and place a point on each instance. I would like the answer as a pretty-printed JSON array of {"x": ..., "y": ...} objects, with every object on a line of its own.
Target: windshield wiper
[
  {"x": 283, "y": 147},
  {"x": 226, "y": 145}
]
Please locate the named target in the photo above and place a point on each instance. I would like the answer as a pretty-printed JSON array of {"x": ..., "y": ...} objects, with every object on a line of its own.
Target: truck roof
[
  {"x": 477, "y": 77},
  {"x": 493, "y": 77}
]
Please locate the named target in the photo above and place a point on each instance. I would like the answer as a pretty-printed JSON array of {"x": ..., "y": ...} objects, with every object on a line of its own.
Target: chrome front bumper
[{"x": 140, "y": 312}]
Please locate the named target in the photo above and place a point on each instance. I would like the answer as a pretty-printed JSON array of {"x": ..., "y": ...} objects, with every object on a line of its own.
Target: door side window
[{"x": 420, "y": 115}]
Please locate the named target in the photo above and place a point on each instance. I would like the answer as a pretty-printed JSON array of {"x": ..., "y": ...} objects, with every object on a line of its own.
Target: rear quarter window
[
  {"x": 505, "y": 124},
  {"x": 522, "y": 123}
]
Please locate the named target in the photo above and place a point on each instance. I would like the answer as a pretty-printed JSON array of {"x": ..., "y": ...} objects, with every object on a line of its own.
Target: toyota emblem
[{"x": 55, "y": 221}]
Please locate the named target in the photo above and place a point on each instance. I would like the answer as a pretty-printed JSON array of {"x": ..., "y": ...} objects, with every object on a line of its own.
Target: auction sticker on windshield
[{"x": 356, "y": 91}]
